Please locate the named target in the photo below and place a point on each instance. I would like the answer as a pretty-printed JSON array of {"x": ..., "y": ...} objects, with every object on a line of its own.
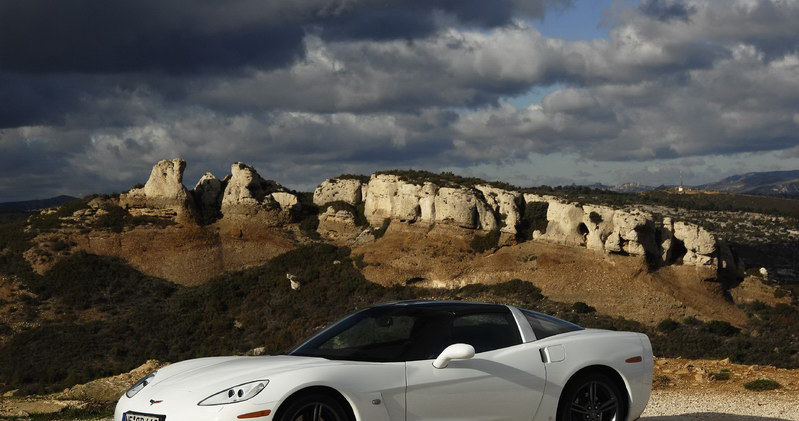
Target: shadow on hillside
[{"x": 710, "y": 416}]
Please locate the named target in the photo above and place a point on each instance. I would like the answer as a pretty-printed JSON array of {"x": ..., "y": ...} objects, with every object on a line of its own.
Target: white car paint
[{"x": 521, "y": 382}]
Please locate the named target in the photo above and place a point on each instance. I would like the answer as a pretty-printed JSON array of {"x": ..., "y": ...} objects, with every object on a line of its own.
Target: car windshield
[{"x": 409, "y": 333}]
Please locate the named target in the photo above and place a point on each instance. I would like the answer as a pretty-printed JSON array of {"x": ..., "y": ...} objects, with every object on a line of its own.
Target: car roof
[{"x": 455, "y": 306}]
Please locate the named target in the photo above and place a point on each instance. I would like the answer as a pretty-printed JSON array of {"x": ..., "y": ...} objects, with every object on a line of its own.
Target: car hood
[{"x": 222, "y": 372}]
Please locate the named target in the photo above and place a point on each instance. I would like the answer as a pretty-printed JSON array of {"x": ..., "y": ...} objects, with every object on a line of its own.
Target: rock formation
[
  {"x": 346, "y": 190},
  {"x": 208, "y": 197},
  {"x": 248, "y": 197},
  {"x": 485, "y": 207},
  {"x": 164, "y": 195}
]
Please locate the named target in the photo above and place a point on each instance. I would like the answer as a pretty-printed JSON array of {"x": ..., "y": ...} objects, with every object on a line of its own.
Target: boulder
[
  {"x": 427, "y": 202},
  {"x": 463, "y": 207},
  {"x": 633, "y": 233},
  {"x": 247, "y": 196},
  {"x": 334, "y": 190},
  {"x": 504, "y": 203},
  {"x": 164, "y": 194},
  {"x": 379, "y": 203},
  {"x": 565, "y": 224},
  {"x": 286, "y": 200},
  {"x": 700, "y": 245},
  {"x": 599, "y": 221}
]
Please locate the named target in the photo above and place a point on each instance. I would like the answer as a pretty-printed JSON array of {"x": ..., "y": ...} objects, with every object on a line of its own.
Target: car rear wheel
[
  {"x": 592, "y": 397},
  {"x": 314, "y": 407}
]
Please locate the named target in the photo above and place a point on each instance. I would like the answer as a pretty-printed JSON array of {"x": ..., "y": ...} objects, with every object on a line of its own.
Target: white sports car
[{"x": 415, "y": 360}]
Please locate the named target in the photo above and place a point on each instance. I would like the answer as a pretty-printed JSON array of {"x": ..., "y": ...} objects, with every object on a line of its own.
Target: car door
[{"x": 503, "y": 382}]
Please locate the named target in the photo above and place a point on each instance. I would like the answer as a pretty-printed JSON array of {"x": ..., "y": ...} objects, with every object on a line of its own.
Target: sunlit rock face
[
  {"x": 164, "y": 194},
  {"x": 248, "y": 196}
]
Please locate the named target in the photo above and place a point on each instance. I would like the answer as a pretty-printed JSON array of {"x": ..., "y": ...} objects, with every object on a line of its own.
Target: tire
[
  {"x": 314, "y": 407},
  {"x": 592, "y": 397}
]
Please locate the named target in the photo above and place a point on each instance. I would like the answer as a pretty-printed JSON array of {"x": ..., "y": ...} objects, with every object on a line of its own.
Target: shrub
[
  {"x": 534, "y": 219},
  {"x": 718, "y": 327},
  {"x": 483, "y": 243},
  {"x": 761, "y": 385},
  {"x": 722, "y": 375},
  {"x": 780, "y": 293},
  {"x": 309, "y": 225},
  {"x": 595, "y": 217},
  {"x": 667, "y": 325},
  {"x": 359, "y": 263},
  {"x": 581, "y": 307},
  {"x": 692, "y": 321}
]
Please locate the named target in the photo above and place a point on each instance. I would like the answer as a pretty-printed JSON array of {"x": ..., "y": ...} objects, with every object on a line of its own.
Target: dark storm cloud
[
  {"x": 311, "y": 88},
  {"x": 190, "y": 36},
  {"x": 666, "y": 10}
]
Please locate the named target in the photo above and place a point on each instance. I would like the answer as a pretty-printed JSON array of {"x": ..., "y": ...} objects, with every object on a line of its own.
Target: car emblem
[{"x": 153, "y": 402}]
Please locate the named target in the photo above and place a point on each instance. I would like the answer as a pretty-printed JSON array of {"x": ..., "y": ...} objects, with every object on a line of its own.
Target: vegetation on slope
[{"x": 143, "y": 318}]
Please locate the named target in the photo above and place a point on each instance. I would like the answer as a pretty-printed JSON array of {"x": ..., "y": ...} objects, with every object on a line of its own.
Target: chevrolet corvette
[{"x": 415, "y": 361}]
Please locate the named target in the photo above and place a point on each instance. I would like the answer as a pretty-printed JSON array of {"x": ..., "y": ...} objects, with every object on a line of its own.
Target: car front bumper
[{"x": 177, "y": 411}]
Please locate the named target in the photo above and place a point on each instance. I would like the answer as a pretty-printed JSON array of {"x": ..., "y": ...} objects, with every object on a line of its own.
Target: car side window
[
  {"x": 486, "y": 331},
  {"x": 545, "y": 326},
  {"x": 372, "y": 331}
]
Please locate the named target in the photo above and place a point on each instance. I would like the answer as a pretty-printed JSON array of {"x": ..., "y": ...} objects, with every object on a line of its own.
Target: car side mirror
[{"x": 454, "y": 352}]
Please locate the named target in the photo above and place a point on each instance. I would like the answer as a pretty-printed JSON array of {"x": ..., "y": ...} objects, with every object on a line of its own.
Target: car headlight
[
  {"x": 235, "y": 394},
  {"x": 139, "y": 385}
]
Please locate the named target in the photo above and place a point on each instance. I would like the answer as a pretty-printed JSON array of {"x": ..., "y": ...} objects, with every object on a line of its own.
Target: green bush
[
  {"x": 761, "y": 385},
  {"x": 309, "y": 226},
  {"x": 483, "y": 243},
  {"x": 358, "y": 260},
  {"x": 667, "y": 325},
  {"x": 718, "y": 327},
  {"x": 595, "y": 217},
  {"x": 581, "y": 307},
  {"x": 692, "y": 321},
  {"x": 722, "y": 375},
  {"x": 533, "y": 219}
]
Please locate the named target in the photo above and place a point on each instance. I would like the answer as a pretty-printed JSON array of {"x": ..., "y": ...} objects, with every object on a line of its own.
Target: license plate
[{"x": 132, "y": 416}]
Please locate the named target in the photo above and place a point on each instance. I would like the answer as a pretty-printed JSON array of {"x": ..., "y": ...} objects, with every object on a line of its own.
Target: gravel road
[{"x": 714, "y": 406}]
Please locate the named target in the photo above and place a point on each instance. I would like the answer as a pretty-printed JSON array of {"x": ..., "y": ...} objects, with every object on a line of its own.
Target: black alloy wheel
[
  {"x": 313, "y": 407},
  {"x": 592, "y": 397}
]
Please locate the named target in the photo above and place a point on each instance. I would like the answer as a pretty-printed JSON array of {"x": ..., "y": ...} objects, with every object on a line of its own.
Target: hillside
[
  {"x": 29, "y": 205},
  {"x": 85, "y": 287},
  {"x": 772, "y": 183}
]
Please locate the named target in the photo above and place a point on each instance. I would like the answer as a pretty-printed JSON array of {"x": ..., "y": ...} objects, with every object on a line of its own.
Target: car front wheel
[
  {"x": 592, "y": 397},
  {"x": 313, "y": 407}
]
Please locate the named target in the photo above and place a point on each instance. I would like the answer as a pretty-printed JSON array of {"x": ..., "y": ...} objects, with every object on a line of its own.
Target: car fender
[
  {"x": 375, "y": 391},
  {"x": 595, "y": 348}
]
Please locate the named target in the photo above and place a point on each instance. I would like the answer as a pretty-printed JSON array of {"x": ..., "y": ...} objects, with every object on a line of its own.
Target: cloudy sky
[{"x": 93, "y": 92}]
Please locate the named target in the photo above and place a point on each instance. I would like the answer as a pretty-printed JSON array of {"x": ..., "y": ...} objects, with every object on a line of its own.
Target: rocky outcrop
[
  {"x": 506, "y": 204},
  {"x": 250, "y": 198},
  {"x": 636, "y": 232},
  {"x": 389, "y": 196},
  {"x": 208, "y": 196},
  {"x": 164, "y": 194},
  {"x": 347, "y": 190}
]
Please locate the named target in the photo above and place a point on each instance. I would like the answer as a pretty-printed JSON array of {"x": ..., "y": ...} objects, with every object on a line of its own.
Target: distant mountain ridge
[
  {"x": 29, "y": 205},
  {"x": 771, "y": 183}
]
